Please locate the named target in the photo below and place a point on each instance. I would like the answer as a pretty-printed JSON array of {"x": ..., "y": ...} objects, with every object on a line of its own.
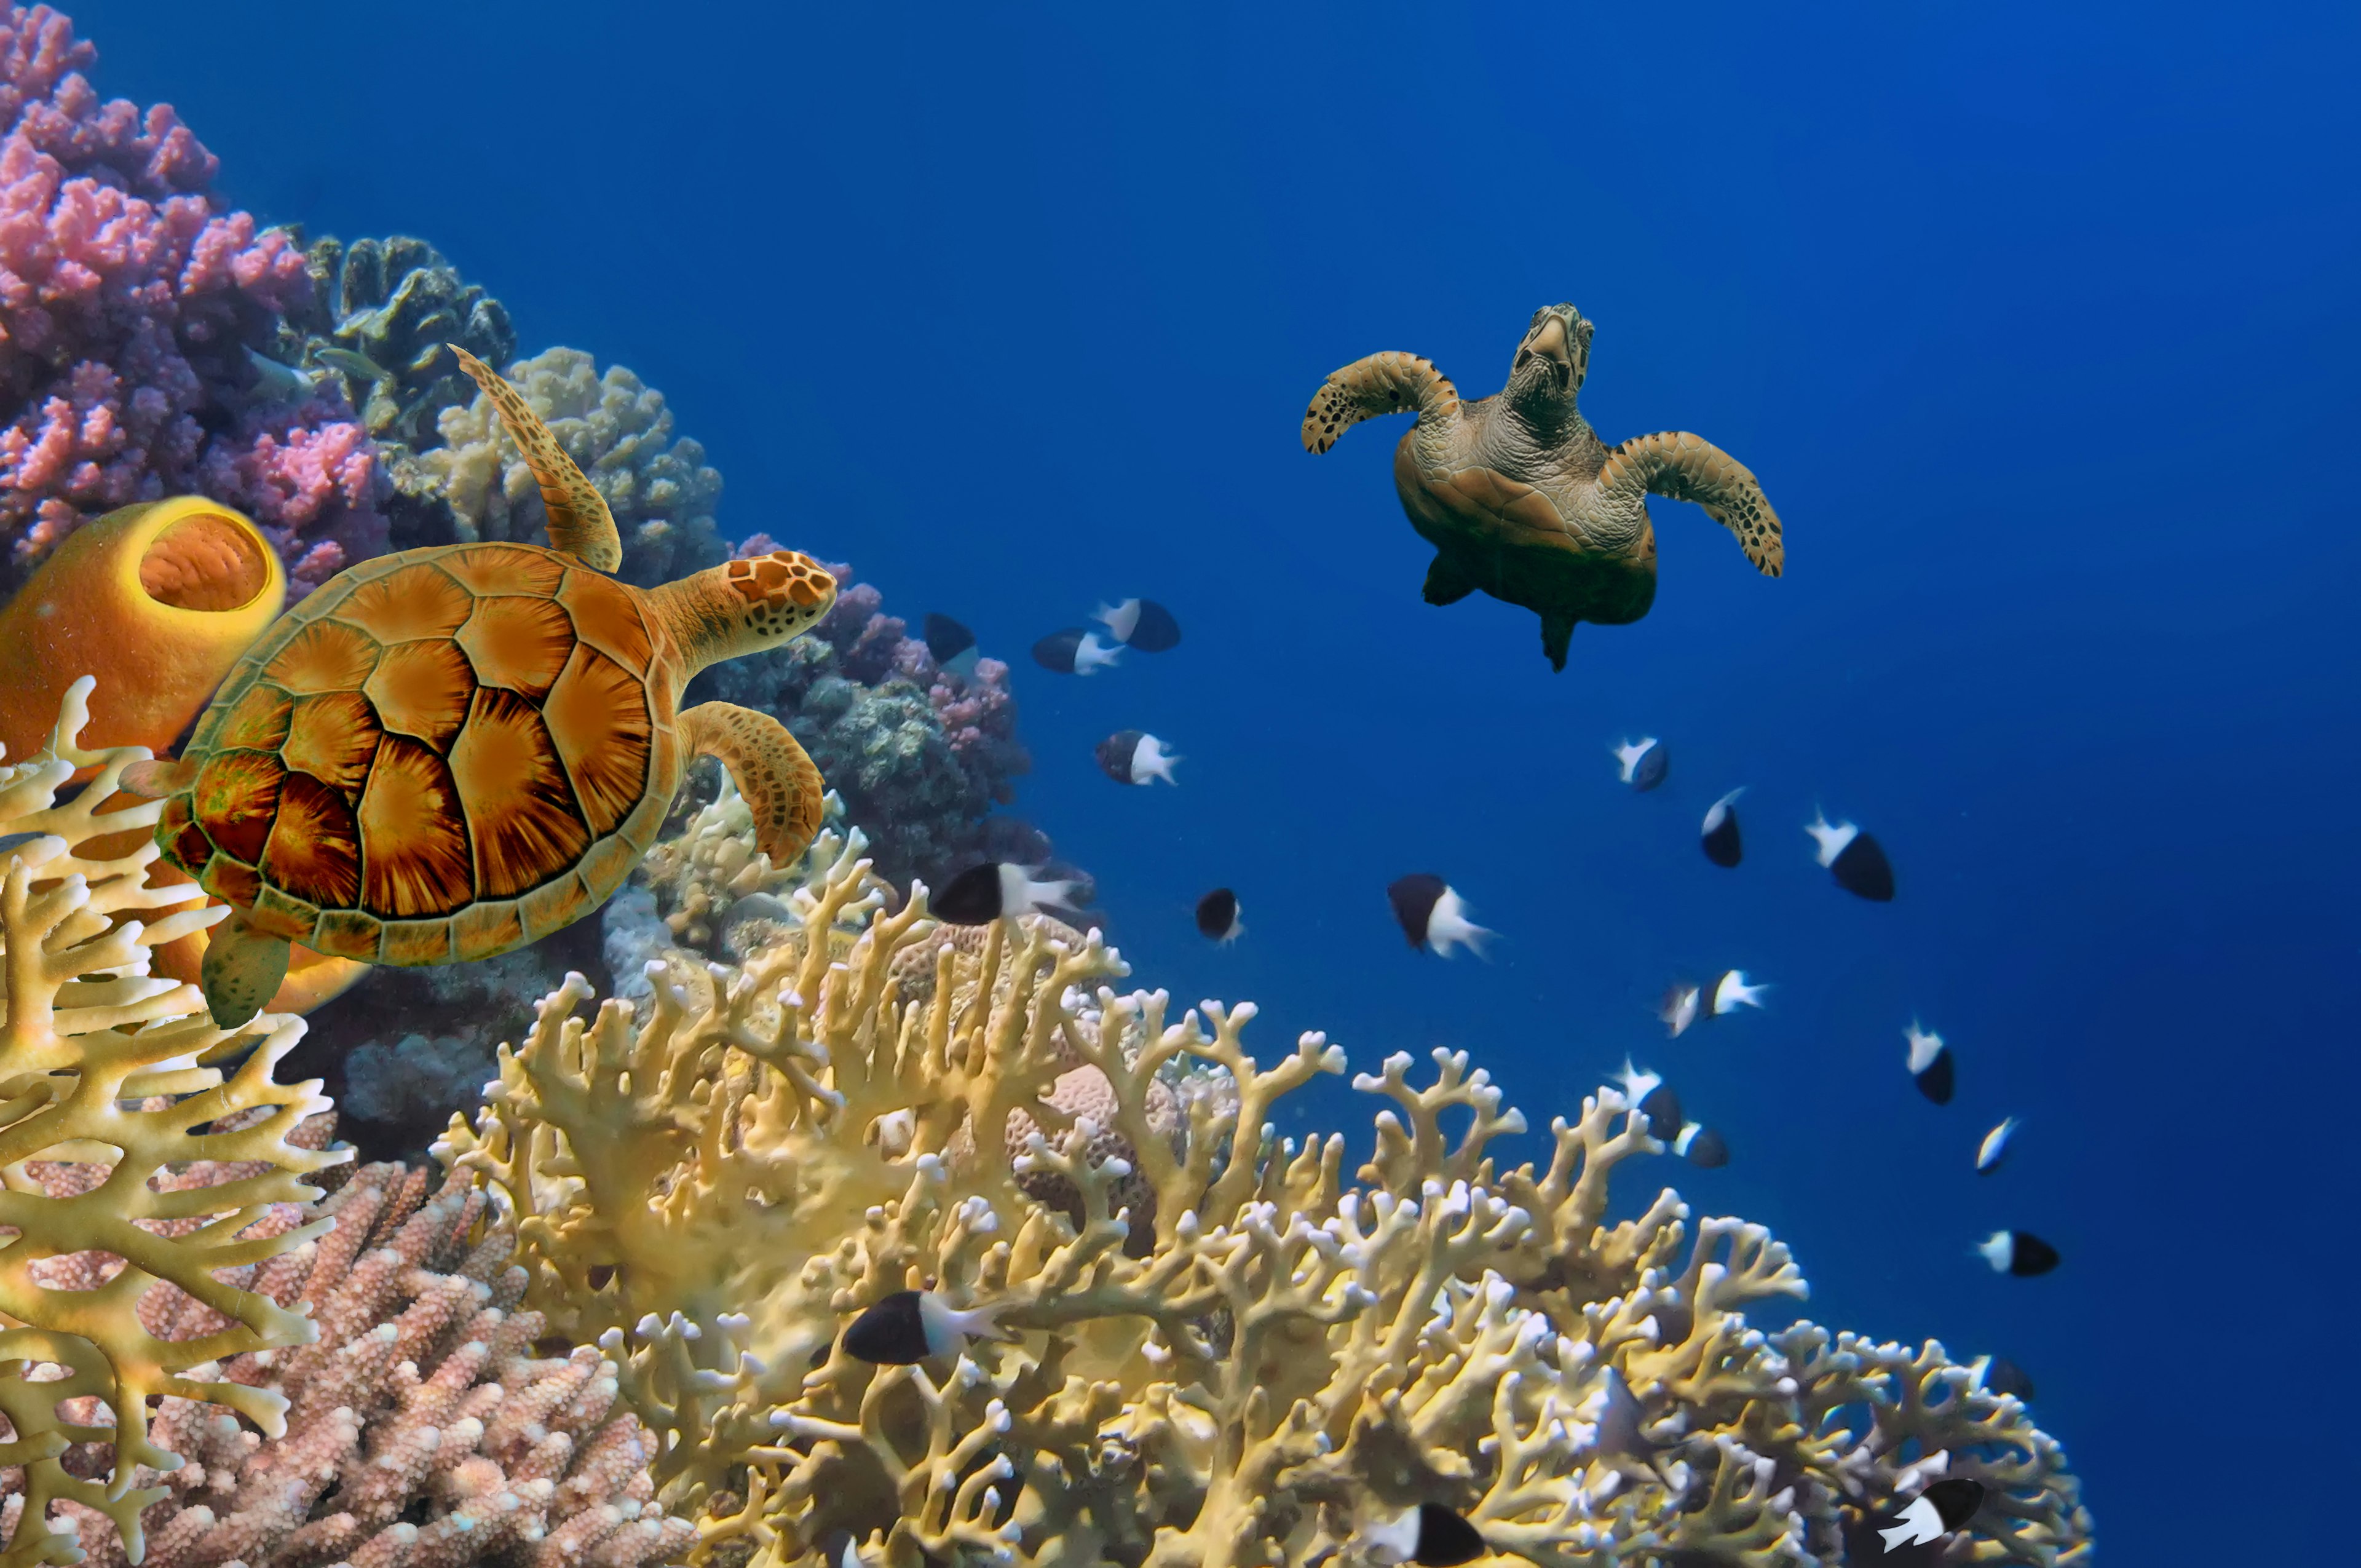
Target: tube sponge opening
[{"x": 206, "y": 561}]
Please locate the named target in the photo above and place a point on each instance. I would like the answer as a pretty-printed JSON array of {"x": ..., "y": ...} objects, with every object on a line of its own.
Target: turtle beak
[{"x": 1549, "y": 342}]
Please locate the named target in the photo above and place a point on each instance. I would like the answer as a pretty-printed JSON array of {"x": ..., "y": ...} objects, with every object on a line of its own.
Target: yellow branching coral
[
  {"x": 105, "y": 1067},
  {"x": 714, "y": 1184}
]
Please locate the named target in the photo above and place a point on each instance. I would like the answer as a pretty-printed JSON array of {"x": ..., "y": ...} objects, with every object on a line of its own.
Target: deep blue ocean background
[{"x": 2037, "y": 324}]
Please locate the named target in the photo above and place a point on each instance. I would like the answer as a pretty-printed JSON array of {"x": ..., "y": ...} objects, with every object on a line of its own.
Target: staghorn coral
[
  {"x": 712, "y": 1183},
  {"x": 660, "y": 490},
  {"x": 114, "y": 1086},
  {"x": 129, "y": 311},
  {"x": 423, "y": 1428}
]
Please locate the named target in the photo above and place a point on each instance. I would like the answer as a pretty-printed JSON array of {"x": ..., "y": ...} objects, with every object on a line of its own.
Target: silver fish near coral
[
  {"x": 1433, "y": 916},
  {"x": 359, "y": 367},
  {"x": 1140, "y": 624},
  {"x": 1643, "y": 763},
  {"x": 980, "y": 894},
  {"x": 911, "y": 1326},
  {"x": 1074, "y": 651}
]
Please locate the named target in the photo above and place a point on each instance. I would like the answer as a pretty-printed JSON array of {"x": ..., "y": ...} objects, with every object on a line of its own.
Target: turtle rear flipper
[
  {"x": 1555, "y": 629},
  {"x": 1686, "y": 467},
  {"x": 1447, "y": 581},
  {"x": 1388, "y": 383},
  {"x": 579, "y": 523},
  {"x": 243, "y": 970}
]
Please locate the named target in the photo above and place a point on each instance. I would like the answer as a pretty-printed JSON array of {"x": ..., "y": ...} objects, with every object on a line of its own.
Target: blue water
[{"x": 2036, "y": 324}]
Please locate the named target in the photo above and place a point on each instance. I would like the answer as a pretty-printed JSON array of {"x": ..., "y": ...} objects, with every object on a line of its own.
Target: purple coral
[{"x": 127, "y": 306}]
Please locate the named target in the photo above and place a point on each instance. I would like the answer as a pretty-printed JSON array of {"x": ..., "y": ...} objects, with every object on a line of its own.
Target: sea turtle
[
  {"x": 1519, "y": 496},
  {"x": 447, "y": 753}
]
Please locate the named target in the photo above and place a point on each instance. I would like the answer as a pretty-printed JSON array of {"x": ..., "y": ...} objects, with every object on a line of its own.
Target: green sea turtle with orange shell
[
  {"x": 447, "y": 753},
  {"x": 1519, "y": 496}
]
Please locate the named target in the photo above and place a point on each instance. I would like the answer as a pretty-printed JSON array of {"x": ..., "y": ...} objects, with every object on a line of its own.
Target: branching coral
[
  {"x": 713, "y": 1183},
  {"x": 128, "y": 308},
  {"x": 121, "y": 1078},
  {"x": 423, "y": 1429}
]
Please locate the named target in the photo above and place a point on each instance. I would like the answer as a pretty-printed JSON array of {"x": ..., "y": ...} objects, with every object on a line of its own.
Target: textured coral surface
[{"x": 713, "y": 1181}]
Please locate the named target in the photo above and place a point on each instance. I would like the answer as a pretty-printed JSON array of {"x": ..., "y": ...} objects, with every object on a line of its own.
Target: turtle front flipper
[
  {"x": 1688, "y": 467},
  {"x": 243, "y": 970},
  {"x": 1388, "y": 383},
  {"x": 781, "y": 785},
  {"x": 579, "y": 523}
]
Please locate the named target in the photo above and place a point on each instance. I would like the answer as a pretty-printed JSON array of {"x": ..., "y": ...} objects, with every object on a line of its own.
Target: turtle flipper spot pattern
[
  {"x": 782, "y": 786},
  {"x": 1520, "y": 496},
  {"x": 243, "y": 970},
  {"x": 579, "y": 523}
]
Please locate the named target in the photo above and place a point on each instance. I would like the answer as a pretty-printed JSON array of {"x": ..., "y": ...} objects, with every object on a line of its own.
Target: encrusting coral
[
  {"x": 711, "y": 1185},
  {"x": 116, "y": 1087},
  {"x": 424, "y": 1429}
]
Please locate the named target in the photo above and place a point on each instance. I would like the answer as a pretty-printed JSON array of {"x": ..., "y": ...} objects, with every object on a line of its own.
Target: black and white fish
[
  {"x": 1720, "y": 834},
  {"x": 1433, "y": 915},
  {"x": 1131, "y": 757},
  {"x": 1732, "y": 992},
  {"x": 952, "y": 645},
  {"x": 1217, "y": 917},
  {"x": 1140, "y": 624},
  {"x": 1994, "y": 1148},
  {"x": 1680, "y": 1007},
  {"x": 2020, "y": 1253},
  {"x": 909, "y": 1326},
  {"x": 980, "y": 894},
  {"x": 1853, "y": 858},
  {"x": 1615, "y": 1419},
  {"x": 1074, "y": 651},
  {"x": 837, "y": 1550},
  {"x": 1930, "y": 1063},
  {"x": 1643, "y": 763},
  {"x": 1653, "y": 1099},
  {"x": 1999, "y": 1374},
  {"x": 1428, "y": 1535},
  {"x": 1936, "y": 1512},
  {"x": 1701, "y": 1146}
]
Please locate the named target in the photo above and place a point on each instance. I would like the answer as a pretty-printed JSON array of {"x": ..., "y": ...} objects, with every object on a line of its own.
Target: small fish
[
  {"x": 2002, "y": 1375},
  {"x": 1140, "y": 624},
  {"x": 1130, "y": 757},
  {"x": 1428, "y": 1535},
  {"x": 1618, "y": 1419},
  {"x": 1679, "y": 1008},
  {"x": 980, "y": 894},
  {"x": 909, "y": 1326},
  {"x": 277, "y": 383},
  {"x": 2020, "y": 1253},
  {"x": 1217, "y": 917},
  {"x": 1433, "y": 916},
  {"x": 1936, "y": 1511},
  {"x": 359, "y": 367},
  {"x": 1853, "y": 858},
  {"x": 1720, "y": 834},
  {"x": 1074, "y": 651},
  {"x": 1732, "y": 992},
  {"x": 837, "y": 1550},
  {"x": 1930, "y": 1063},
  {"x": 952, "y": 645},
  {"x": 1994, "y": 1148},
  {"x": 1643, "y": 763},
  {"x": 1701, "y": 1146},
  {"x": 1654, "y": 1100}
]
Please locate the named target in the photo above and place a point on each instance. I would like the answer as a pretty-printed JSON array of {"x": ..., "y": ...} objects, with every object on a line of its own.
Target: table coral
[
  {"x": 424, "y": 1428},
  {"x": 130, "y": 307},
  {"x": 107, "y": 1069},
  {"x": 713, "y": 1183}
]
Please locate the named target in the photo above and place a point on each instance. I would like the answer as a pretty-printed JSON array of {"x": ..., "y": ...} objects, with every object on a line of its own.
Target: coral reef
[
  {"x": 660, "y": 489},
  {"x": 423, "y": 1428},
  {"x": 130, "y": 312},
  {"x": 164, "y": 1164},
  {"x": 712, "y": 1184}
]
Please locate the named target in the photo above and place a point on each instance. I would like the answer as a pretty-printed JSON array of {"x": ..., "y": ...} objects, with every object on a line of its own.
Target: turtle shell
[
  {"x": 1510, "y": 539},
  {"x": 439, "y": 756}
]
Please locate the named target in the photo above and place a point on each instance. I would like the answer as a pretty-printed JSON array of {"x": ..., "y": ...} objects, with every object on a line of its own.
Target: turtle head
[
  {"x": 745, "y": 606},
  {"x": 1552, "y": 360}
]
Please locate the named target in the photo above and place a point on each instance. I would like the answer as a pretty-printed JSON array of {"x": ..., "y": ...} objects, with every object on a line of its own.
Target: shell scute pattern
[{"x": 441, "y": 758}]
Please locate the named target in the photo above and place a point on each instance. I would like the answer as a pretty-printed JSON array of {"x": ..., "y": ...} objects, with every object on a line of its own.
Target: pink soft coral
[{"x": 126, "y": 303}]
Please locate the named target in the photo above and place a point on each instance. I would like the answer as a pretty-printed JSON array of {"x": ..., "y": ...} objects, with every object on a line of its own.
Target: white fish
[
  {"x": 1994, "y": 1148},
  {"x": 1919, "y": 1522},
  {"x": 1152, "y": 762},
  {"x": 1679, "y": 1008},
  {"x": 278, "y": 383},
  {"x": 1091, "y": 656},
  {"x": 1732, "y": 992},
  {"x": 1119, "y": 618},
  {"x": 1925, "y": 1047},
  {"x": 1432, "y": 914},
  {"x": 1830, "y": 839},
  {"x": 1631, "y": 758}
]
